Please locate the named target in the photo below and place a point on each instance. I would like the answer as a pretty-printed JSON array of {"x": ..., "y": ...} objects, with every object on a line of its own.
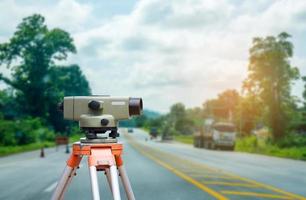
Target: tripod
[{"x": 101, "y": 157}]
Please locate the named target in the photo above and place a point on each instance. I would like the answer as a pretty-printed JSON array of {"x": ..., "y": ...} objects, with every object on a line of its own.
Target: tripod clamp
[{"x": 92, "y": 133}]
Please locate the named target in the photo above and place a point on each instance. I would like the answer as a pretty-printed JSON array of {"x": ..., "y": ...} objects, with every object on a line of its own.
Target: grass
[
  {"x": 253, "y": 145},
  {"x": 186, "y": 139},
  {"x": 75, "y": 138},
  {"x": 8, "y": 150}
]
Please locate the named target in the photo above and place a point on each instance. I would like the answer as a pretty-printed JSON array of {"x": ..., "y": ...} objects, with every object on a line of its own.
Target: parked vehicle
[
  {"x": 216, "y": 135},
  {"x": 153, "y": 133}
]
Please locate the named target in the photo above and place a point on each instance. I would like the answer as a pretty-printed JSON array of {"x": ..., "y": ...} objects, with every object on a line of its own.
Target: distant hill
[
  {"x": 151, "y": 114},
  {"x": 139, "y": 120}
]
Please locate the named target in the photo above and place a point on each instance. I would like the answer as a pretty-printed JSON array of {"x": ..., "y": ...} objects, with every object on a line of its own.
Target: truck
[{"x": 215, "y": 135}]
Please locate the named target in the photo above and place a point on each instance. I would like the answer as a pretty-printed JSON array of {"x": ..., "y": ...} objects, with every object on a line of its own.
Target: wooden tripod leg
[{"x": 72, "y": 163}]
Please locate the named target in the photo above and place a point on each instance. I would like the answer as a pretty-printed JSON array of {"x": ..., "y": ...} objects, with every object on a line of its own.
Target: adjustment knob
[
  {"x": 94, "y": 105},
  {"x": 104, "y": 122},
  {"x": 60, "y": 106}
]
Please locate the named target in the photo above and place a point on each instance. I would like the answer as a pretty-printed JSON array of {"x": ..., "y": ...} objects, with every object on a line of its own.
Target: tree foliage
[
  {"x": 25, "y": 131},
  {"x": 31, "y": 54},
  {"x": 248, "y": 114},
  {"x": 223, "y": 107},
  {"x": 64, "y": 81},
  {"x": 179, "y": 120},
  {"x": 8, "y": 105},
  {"x": 270, "y": 77},
  {"x": 37, "y": 84}
]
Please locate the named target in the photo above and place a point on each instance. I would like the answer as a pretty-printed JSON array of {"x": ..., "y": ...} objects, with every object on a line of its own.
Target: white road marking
[{"x": 51, "y": 187}]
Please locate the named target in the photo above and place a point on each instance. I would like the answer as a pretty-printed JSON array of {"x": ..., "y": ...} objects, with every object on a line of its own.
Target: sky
[{"x": 165, "y": 51}]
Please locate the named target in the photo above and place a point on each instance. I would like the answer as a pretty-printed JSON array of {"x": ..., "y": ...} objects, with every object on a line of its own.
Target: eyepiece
[{"x": 135, "y": 106}]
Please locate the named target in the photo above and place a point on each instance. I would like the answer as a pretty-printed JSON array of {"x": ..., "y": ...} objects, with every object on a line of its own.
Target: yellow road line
[
  {"x": 268, "y": 187},
  {"x": 183, "y": 176},
  {"x": 216, "y": 176},
  {"x": 229, "y": 184},
  {"x": 262, "y": 185},
  {"x": 254, "y": 194}
]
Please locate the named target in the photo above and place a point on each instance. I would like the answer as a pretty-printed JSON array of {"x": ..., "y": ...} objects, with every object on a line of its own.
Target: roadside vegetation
[
  {"x": 29, "y": 118},
  {"x": 293, "y": 147},
  {"x": 186, "y": 139},
  {"x": 8, "y": 150}
]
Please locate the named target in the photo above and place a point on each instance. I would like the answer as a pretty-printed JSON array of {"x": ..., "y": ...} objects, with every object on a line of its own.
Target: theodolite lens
[{"x": 135, "y": 106}]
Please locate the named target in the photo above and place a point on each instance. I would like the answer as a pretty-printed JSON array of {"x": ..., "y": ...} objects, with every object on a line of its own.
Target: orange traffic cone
[
  {"x": 67, "y": 149},
  {"x": 42, "y": 152}
]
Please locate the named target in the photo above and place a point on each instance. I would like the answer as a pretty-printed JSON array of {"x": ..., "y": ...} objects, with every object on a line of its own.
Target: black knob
[
  {"x": 94, "y": 105},
  {"x": 60, "y": 106},
  {"x": 104, "y": 122}
]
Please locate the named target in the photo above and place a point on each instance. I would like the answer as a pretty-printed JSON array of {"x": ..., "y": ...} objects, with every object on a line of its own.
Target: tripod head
[{"x": 100, "y": 114}]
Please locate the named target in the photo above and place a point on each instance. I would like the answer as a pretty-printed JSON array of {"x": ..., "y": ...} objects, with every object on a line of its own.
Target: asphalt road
[{"x": 161, "y": 171}]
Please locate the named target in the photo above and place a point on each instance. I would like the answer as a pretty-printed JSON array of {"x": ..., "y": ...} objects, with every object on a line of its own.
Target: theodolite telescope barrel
[
  {"x": 135, "y": 106},
  {"x": 120, "y": 108}
]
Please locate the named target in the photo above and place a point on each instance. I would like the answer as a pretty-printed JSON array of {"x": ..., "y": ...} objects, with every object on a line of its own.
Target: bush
[
  {"x": 246, "y": 143},
  {"x": 21, "y": 132},
  {"x": 7, "y": 133},
  {"x": 293, "y": 140},
  {"x": 7, "y": 150},
  {"x": 289, "y": 147}
]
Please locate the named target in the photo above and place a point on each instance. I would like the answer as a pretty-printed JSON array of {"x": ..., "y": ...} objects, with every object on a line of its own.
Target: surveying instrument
[{"x": 98, "y": 117}]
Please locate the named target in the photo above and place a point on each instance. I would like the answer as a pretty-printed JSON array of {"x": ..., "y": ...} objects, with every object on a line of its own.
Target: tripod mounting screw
[{"x": 104, "y": 122}]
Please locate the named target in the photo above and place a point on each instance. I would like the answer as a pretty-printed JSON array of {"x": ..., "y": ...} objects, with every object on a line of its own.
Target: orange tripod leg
[{"x": 69, "y": 171}]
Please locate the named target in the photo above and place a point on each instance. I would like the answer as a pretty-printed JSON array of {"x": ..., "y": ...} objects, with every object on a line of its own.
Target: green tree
[
  {"x": 156, "y": 122},
  {"x": 68, "y": 80},
  {"x": 167, "y": 129},
  {"x": 140, "y": 121},
  {"x": 64, "y": 81},
  {"x": 304, "y": 92},
  {"x": 229, "y": 100},
  {"x": 270, "y": 76},
  {"x": 31, "y": 54},
  {"x": 178, "y": 119},
  {"x": 248, "y": 114},
  {"x": 196, "y": 116},
  {"x": 300, "y": 120},
  {"x": 224, "y": 107},
  {"x": 8, "y": 105}
]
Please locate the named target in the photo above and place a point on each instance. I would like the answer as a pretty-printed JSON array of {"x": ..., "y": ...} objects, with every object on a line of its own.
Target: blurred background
[{"x": 214, "y": 76}]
